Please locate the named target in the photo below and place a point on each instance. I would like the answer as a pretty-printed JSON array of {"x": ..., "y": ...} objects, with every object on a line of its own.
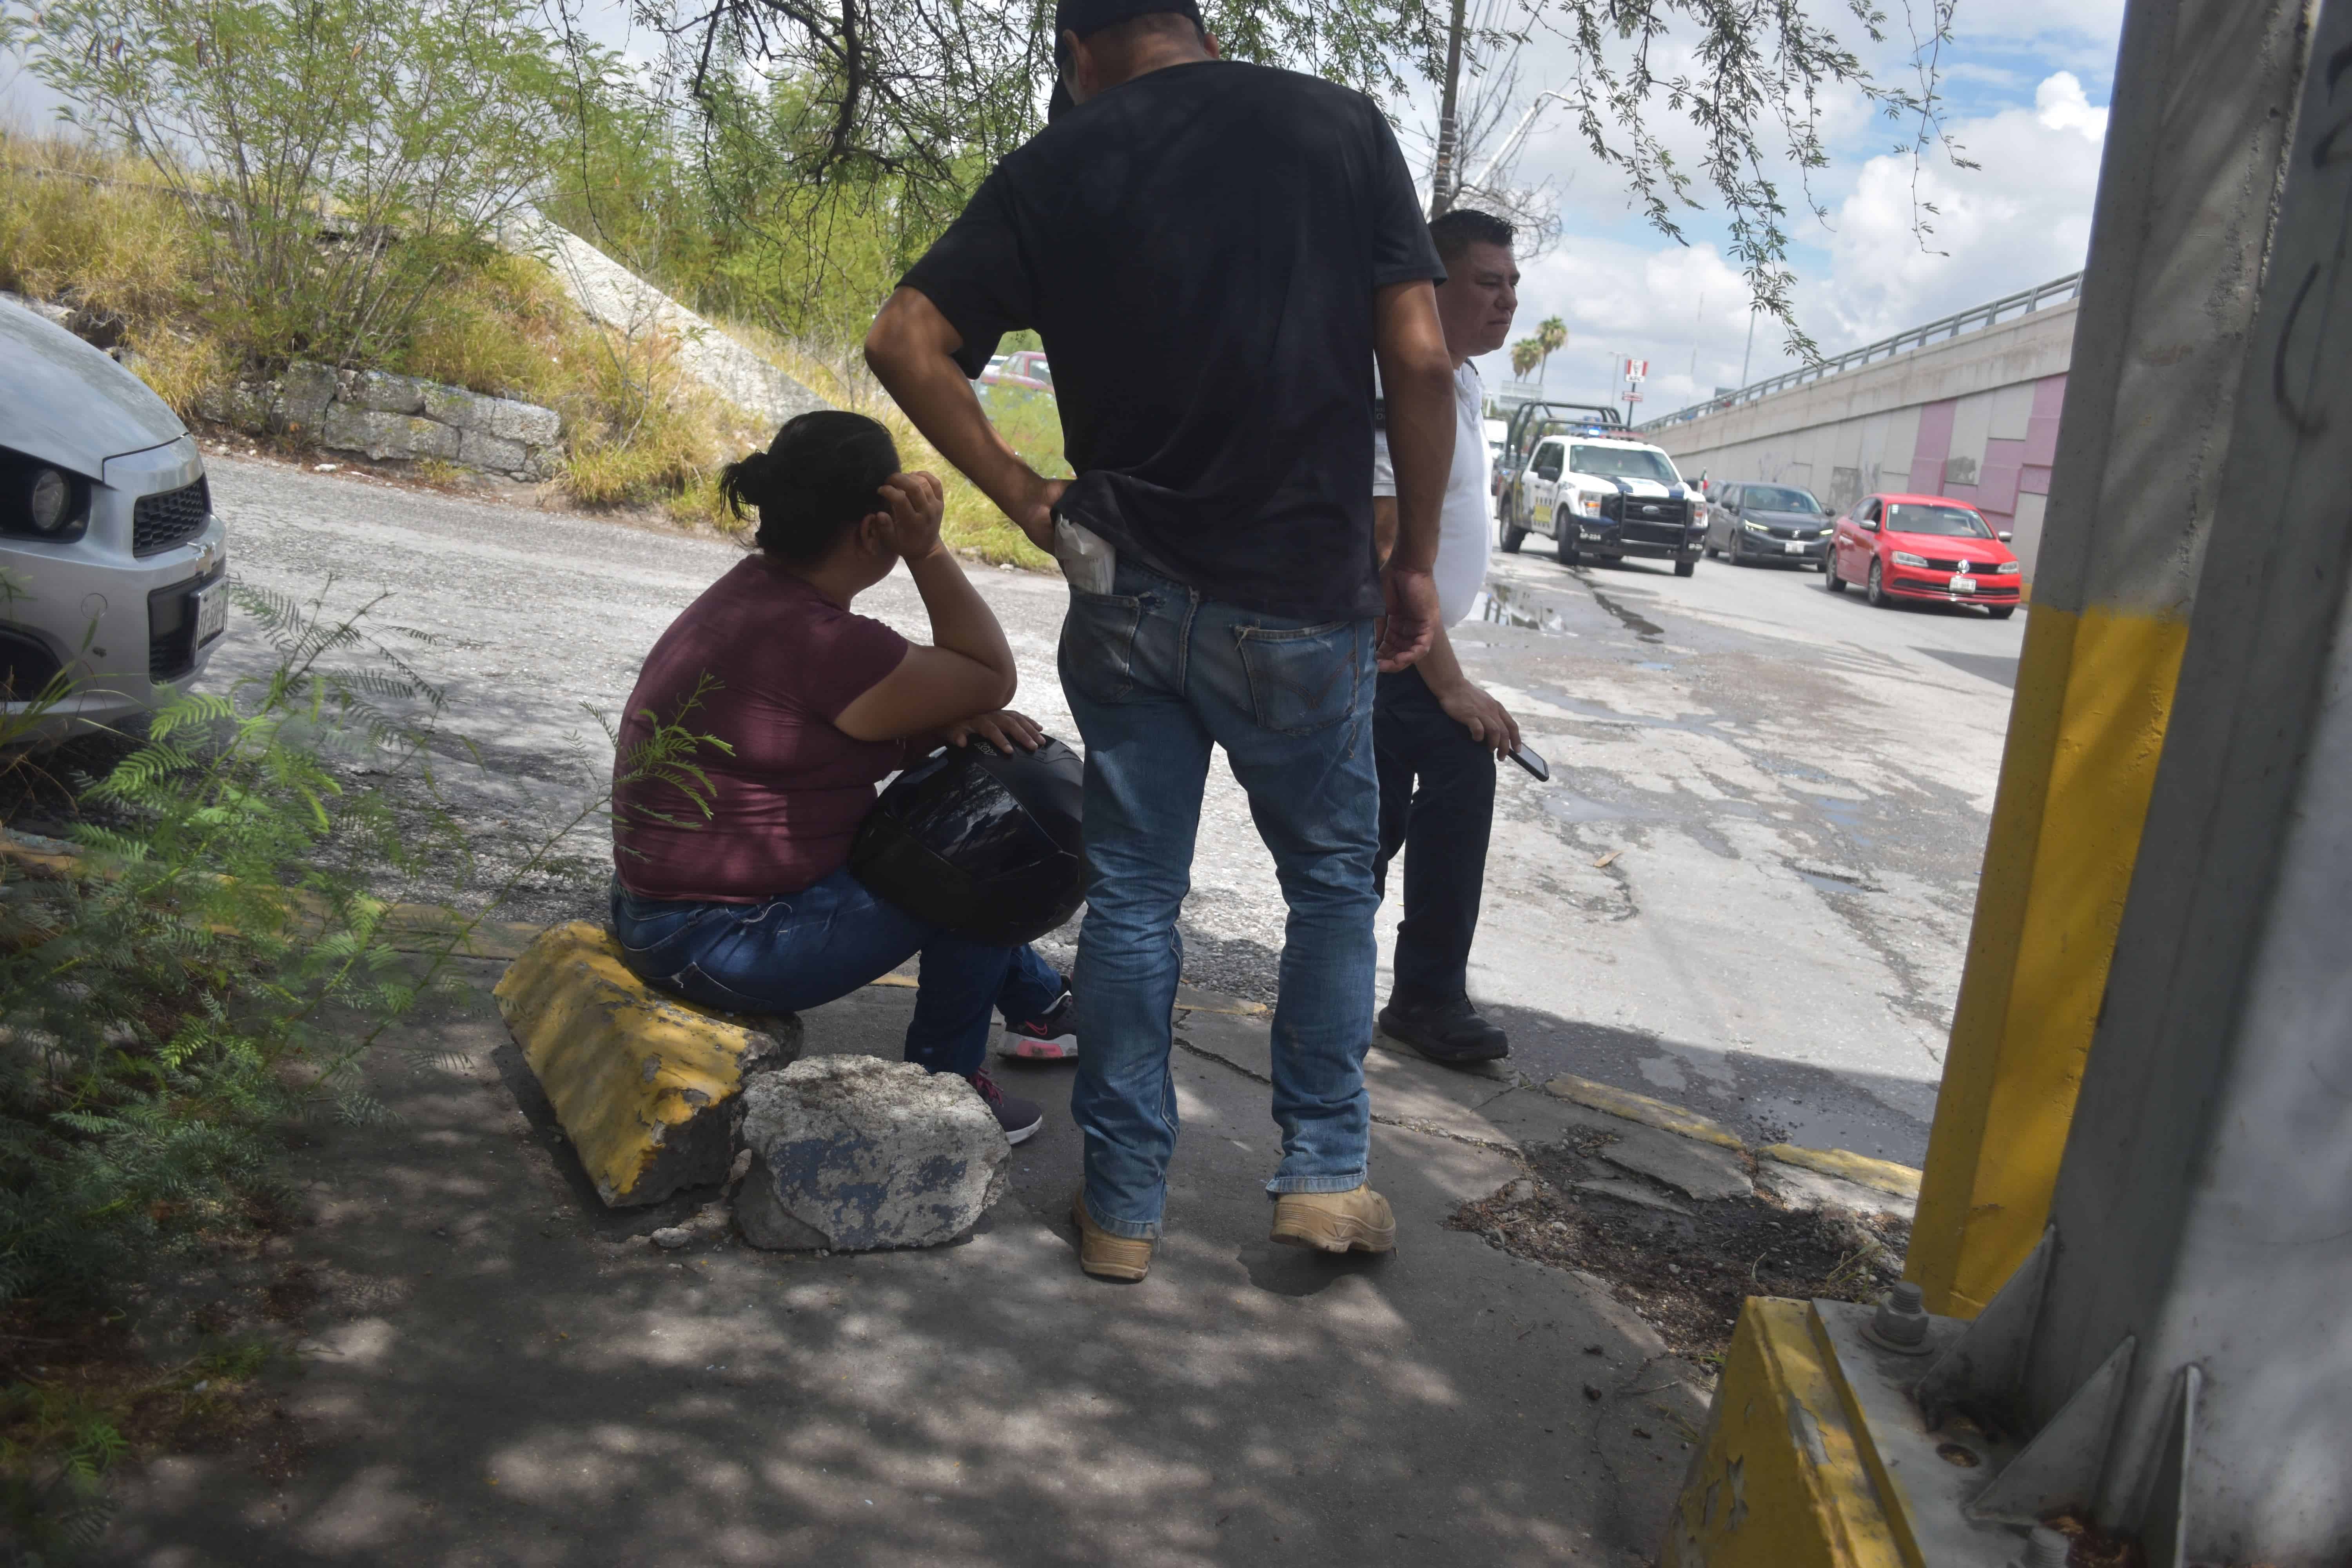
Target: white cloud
[{"x": 2021, "y": 217}]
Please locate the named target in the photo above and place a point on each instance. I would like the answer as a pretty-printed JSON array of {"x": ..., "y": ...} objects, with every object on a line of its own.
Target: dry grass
[
  {"x": 75, "y": 225},
  {"x": 91, "y": 228}
]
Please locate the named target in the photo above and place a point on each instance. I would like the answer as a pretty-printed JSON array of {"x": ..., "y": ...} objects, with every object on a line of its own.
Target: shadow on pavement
[{"x": 497, "y": 1372}]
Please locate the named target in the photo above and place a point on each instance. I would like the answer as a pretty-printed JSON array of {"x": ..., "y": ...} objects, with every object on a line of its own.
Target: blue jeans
[
  {"x": 805, "y": 949},
  {"x": 1156, "y": 675}
]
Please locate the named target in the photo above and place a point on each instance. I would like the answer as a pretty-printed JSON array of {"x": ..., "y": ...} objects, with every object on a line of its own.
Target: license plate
[
  {"x": 1796, "y": 548},
  {"x": 1964, "y": 584},
  {"x": 212, "y": 611}
]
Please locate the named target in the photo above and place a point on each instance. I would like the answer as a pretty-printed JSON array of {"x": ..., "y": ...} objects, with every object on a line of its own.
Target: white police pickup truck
[{"x": 1598, "y": 492}]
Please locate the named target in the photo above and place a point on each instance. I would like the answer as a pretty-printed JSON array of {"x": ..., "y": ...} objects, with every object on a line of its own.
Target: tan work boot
[
  {"x": 1355, "y": 1221},
  {"x": 1105, "y": 1255}
]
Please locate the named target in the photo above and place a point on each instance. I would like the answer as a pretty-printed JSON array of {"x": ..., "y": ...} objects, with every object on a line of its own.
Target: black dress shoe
[{"x": 1449, "y": 1033}]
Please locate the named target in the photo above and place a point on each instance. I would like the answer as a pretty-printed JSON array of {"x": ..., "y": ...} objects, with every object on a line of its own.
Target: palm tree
[
  {"x": 1524, "y": 354},
  {"x": 1551, "y": 333}
]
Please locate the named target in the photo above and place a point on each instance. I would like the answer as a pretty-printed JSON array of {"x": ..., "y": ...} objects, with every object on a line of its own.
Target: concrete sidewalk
[{"x": 498, "y": 1372}]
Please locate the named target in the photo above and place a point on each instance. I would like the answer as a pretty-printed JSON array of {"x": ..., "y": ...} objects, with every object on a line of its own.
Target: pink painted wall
[{"x": 2006, "y": 469}]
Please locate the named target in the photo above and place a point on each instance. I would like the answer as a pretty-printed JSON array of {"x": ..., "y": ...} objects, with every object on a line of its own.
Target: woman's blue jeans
[
  {"x": 802, "y": 950},
  {"x": 1158, "y": 677}
]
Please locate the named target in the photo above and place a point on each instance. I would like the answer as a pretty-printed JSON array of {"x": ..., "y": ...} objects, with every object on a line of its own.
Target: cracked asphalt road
[{"x": 1746, "y": 887}]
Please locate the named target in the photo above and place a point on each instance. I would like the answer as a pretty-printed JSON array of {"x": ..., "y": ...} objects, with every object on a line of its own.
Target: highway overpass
[{"x": 1966, "y": 407}]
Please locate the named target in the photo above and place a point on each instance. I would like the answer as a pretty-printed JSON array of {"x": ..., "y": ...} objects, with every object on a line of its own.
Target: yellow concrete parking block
[
  {"x": 639, "y": 1080},
  {"x": 1781, "y": 1479},
  {"x": 1640, "y": 1108},
  {"x": 1884, "y": 1176}
]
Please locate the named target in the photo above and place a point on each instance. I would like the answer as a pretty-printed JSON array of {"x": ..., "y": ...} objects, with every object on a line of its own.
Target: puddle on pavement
[
  {"x": 1510, "y": 605},
  {"x": 1828, "y": 884},
  {"x": 1650, "y": 664},
  {"x": 1845, "y": 816},
  {"x": 1647, "y": 629},
  {"x": 1569, "y": 806},
  {"x": 1697, "y": 724}
]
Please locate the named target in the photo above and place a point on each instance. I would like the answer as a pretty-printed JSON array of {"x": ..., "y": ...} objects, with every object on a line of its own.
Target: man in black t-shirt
[{"x": 1215, "y": 256}]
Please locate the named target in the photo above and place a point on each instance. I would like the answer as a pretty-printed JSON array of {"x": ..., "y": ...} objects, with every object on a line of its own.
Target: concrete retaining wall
[
  {"x": 609, "y": 293},
  {"x": 1973, "y": 417},
  {"x": 396, "y": 416}
]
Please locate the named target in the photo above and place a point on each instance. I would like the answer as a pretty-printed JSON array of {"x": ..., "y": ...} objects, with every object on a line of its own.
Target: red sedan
[{"x": 1924, "y": 547}]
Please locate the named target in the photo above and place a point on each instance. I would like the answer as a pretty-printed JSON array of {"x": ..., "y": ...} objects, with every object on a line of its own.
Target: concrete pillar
[
  {"x": 2203, "y": 1212},
  {"x": 2196, "y": 138}
]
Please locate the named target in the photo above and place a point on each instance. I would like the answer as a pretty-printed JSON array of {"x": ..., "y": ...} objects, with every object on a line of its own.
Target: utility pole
[
  {"x": 2148, "y": 1067},
  {"x": 1442, "y": 182}
]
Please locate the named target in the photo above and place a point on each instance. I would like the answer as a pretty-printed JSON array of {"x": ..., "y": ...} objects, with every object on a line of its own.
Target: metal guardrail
[{"x": 2022, "y": 302}]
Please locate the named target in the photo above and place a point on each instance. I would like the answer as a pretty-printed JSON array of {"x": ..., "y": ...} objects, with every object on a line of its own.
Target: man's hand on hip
[
  {"x": 1034, "y": 512},
  {"x": 1412, "y": 596}
]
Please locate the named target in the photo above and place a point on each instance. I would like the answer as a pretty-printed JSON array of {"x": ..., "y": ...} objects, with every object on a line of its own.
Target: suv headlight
[
  {"x": 2008, "y": 569},
  {"x": 1590, "y": 505},
  {"x": 39, "y": 500}
]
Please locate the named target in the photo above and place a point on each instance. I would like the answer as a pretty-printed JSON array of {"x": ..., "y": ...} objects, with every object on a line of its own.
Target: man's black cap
[{"x": 1087, "y": 18}]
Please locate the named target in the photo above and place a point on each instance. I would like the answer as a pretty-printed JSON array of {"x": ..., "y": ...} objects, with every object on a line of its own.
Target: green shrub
[{"x": 351, "y": 157}]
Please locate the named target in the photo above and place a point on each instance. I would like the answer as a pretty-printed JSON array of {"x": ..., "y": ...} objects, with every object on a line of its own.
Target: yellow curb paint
[
  {"x": 627, "y": 1068},
  {"x": 1884, "y": 1176},
  {"x": 1640, "y": 1108},
  {"x": 1781, "y": 1479},
  {"x": 2094, "y": 694}
]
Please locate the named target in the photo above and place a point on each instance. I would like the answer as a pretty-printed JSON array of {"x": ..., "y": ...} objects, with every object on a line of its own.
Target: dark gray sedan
[{"x": 1768, "y": 524}]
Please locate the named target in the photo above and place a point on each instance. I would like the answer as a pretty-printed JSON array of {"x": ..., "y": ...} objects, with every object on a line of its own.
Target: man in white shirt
[{"x": 1435, "y": 735}]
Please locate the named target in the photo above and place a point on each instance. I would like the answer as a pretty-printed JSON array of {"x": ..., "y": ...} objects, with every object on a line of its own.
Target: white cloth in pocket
[{"x": 1089, "y": 561}]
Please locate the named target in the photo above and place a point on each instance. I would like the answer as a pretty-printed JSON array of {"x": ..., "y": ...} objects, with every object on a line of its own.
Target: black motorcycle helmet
[{"x": 981, "y": 842}]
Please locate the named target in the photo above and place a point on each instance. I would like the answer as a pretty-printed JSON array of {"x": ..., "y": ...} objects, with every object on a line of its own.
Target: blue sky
[{"x": 2026, "y": 84}]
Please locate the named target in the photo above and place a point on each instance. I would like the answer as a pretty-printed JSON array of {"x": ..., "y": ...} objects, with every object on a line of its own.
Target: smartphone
[{"x": 1527, "y": 758}]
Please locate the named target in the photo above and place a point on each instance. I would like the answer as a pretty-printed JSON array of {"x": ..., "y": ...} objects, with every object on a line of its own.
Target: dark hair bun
[{"x": 814, "y": 483}]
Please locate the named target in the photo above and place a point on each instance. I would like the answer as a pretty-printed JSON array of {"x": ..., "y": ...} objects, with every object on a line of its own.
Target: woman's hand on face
[
  {"x": 1006, "y": 731},
  {"x": 911, "y": 525}
]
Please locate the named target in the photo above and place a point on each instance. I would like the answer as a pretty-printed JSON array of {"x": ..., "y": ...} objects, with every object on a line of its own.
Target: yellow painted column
[
  {"x": 2094, "y": 688},
  {"x": 2178, "y": 241}
]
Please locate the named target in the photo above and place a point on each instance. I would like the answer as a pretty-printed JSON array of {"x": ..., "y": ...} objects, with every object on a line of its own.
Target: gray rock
[
  {"x": 476, "y": 450},
  {"x": 383, "y": 436},
  {"x": 303, "y": 394},
  {"x": 247, "y": 405},
  {"x": 762, "y": 1220},
  {"x": 385, "y": 392},
  {"x": 865, "y": 1153},
  {"x": 670, "y": 1238},
  {"x": 525, "y": 422},
  {"x": 454, "y": 406},
  {"x": 1704, "y": 1171}
]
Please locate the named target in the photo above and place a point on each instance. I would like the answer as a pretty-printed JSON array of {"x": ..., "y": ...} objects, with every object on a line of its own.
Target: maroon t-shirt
[{"x": 782, "y": 663}]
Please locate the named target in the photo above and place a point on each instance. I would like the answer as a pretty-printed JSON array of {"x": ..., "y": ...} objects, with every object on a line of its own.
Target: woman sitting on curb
[{"x": 733, "y": 889}]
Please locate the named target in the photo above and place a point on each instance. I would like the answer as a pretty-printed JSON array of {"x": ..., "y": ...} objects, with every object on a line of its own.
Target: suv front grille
[
  {"x": 1656, "y": 519},
  {"x": 160, "y": 522}
]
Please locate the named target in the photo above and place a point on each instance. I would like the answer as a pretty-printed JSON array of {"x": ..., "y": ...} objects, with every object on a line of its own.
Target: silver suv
[{"x": 114, "y": 568}]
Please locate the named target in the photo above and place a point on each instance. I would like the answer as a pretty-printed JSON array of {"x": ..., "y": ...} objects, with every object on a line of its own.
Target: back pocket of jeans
[
  {"x": 1303, "y": 681},
  {"x": 1098, "y": 653}
]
